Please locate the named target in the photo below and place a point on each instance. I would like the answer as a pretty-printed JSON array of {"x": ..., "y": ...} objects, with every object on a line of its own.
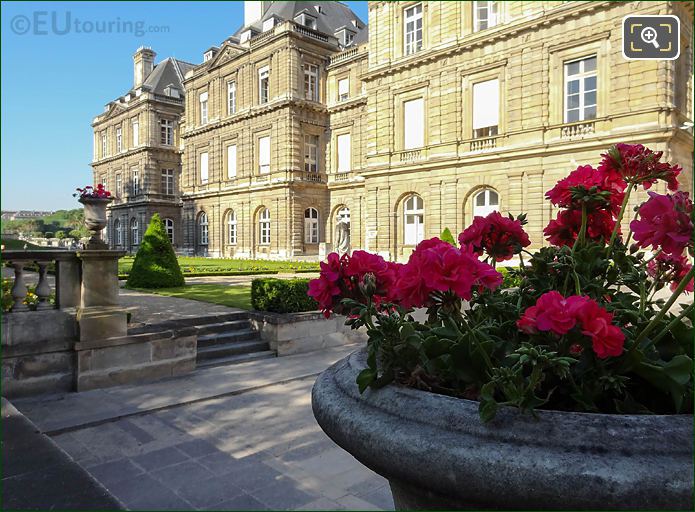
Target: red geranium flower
[
  {"x": 607, "y": 340},
  {"x": 498, "y": 236},
  {"x": 673, "y": 266},
  {"x": 587, "y": 177},
  {"x": 665, "y": 222},
  {"x": 325, "y": 289},
  {"x": 565, "y": 229},
  {"x": 640, "y": 165}
]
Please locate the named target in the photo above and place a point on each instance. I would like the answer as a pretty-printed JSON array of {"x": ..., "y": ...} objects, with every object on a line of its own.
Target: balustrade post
[
  {"x": 43, "y": 289},
  {"x": 19, "y": 289},
  {"x": 68, "y": 283}
]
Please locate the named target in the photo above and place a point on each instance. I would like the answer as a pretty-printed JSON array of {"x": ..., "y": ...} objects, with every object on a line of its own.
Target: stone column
[{"x": 99, "y": 314}]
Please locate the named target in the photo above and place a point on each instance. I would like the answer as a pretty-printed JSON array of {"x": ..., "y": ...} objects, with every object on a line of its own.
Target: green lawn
[
  {"x": 235, "y": 296},
  {"x": 197, "y": 264}
]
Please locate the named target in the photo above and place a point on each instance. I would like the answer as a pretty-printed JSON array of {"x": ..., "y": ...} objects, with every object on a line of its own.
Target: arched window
[
  {"x": 231, "y": 228},
  {"x": 485, "y": 202},
  {"x": 203, "y": 228},
  {"x": 169, "y": 226},
  {"x": 118, "y": 234},
  {"x": 134, "y": 232},
  {"x": 311, "y": 226},
  {"x": 264, "y": 227},
  {"x": 414, "y": 220}
]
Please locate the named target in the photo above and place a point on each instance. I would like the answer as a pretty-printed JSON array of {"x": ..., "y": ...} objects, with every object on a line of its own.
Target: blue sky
[{"x": 54, "y": 84}]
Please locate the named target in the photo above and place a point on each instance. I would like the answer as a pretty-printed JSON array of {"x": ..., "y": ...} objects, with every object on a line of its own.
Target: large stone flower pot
[
  {"x": 95, "y": 219},
  {"x": 437, "y": 454}
]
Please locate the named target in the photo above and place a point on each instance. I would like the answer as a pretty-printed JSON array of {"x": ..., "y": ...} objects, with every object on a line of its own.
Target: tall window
[
  {"x": 231, "y": 97},
  {"x": 580, "y": 89},
  {"x": 136, "y": 182},
  {"x": 264, "y": 227},
  {"x": 344, "y": 163},
  {"x": 203, "y": 228},
  {"x": 264, "y": 155},
  {"x": 119, "y": 139},
  {"x": 485, "y": 202},
  {"x": 311, "y": 82},
  {"x": 118, "y": 234},
  {"x": 104, "y": 144},
  {"x": 486, "y": 108},
  {"x": 484, "y": 15},
  {"x": 413, "y": 29},
  {"x": 134, "y": 232},
  {"x": 414, "y": 213},
  {"x": 168, "y": 182},
  {"x": 104, "y": 181},
  {"x": 263, "y": 84},
  {"x": 414, "y": 124},
  {"x": 135, "y": 130},
  {"x": 169, "y": 227},
  {"x": 343, "y": 89},
  {"x": 203, "y": 168},
  {"x": 311, "y": 226},
  {"x": 167, "y": 132},
  {"x": 119, "y": 185},
  {"x": 311, "y": 148},
  {"x": 231, "y": 228},
  {"x": 231, "y": 162},
  {"x": 204, "y": 108}
]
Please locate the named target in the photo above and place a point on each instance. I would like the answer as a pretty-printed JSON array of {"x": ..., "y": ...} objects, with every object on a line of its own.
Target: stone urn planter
[
  {"x": 436, "y": 453},
  {"x": 95, "y": 219}
]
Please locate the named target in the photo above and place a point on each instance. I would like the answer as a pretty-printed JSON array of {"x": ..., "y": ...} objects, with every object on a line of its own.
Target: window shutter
[
  {"x": 231, "y": 161},
  {"x": 486, "y": 104},
  {"x": 344, "y": 153},
  {"x": 264, "y": 153},
  {"x": 414, "y": 124},
  {"x": 204, "y": 167}
]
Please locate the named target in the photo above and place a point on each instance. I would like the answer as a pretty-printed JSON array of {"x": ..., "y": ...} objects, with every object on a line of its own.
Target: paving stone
[
  {"x": 350, "y": 502},
  {"x": 182, "y": 474},
  {"x": 145, "y": 493},
  {"x": 321, "y": 504},
  {"x": 114, "y": 471},
  {"x": 219, "y": 463},
  {"x": 212, "y": 491},
  {"x": 161, "y": 458},
  {"x": 308, "y": 450},
  {"x": 381, "y": 497},
  {"x": 255, "y": 475},
  {"x": 142, "y": 436},
  {"x": 197, "y": 448},
  {"x": 371, "y": 483},
  {"x": 240, "y": 502},
  {"x": 284, "y": 493}
]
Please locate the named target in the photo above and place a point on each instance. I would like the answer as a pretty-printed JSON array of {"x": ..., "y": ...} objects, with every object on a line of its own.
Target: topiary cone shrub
[{"x": 155, "y": 264}]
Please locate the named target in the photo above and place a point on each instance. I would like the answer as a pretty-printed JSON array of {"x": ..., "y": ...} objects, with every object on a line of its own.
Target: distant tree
[
  {"x": 48, "y": 234},
  {"x": 60, "y": 234},
  {"x": 155, "y": 264},
  {"x": 81, "y": 232}
]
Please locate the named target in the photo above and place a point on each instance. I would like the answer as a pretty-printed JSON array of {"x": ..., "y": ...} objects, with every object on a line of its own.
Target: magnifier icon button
[{"x": 648, "y": 35}]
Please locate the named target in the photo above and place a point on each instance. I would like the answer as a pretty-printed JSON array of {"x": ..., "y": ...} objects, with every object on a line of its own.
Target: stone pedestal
[
  {"x": 325, "y": 248},
  {"x": 99, "y": 314}
]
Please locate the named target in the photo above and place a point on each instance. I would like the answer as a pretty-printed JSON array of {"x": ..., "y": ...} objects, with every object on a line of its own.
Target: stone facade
[{"x": 421, "y": 156}]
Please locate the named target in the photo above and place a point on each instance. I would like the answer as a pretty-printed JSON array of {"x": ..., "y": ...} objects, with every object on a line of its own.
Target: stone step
[
  {"x": 231, "y": 349},
  {"x": 190, "y": 322},
  {"x": 224, "y": 327},
  {"x": 209, "y": 340},
  {"x": 241, "y": 358}
]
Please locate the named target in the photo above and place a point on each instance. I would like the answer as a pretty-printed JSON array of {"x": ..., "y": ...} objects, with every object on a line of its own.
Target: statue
[{"x": 342, "y": 237}]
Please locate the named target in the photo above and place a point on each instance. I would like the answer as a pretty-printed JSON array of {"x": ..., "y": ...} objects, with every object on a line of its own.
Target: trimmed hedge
[
  {"x": 155, "y": 264},
  {"x": 281, "y": 295}
]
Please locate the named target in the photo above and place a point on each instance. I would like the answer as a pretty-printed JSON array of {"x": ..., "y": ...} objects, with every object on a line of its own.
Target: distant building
[
  {"x": 436, "y": 113},
  {"x": 25, "y": 214}
]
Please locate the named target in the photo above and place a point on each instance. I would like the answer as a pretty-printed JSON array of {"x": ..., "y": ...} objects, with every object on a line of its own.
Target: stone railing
[
  {"x": 305, "y": 31},
  {"x": 341, "y": 176},
  {"x": 578, "y": 130},
  {"x": 256, "y": 40},
  {"x": 343, "y": 56},
  {"x": 66, "y": 267},
  {"x": 483, "y": 144},
  {"x": 410, "y": 156},
  {"x": 312, "y": 176}
]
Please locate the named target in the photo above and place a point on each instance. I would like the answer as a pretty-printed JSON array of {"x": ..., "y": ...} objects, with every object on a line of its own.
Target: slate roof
[{"x": 168, "y": 72}]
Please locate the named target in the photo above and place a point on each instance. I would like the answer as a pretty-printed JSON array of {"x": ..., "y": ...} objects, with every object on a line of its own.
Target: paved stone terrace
[{"x": 236, "y": 437}]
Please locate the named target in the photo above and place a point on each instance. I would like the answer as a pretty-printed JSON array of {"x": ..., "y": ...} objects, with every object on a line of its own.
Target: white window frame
[
  {"x": 203, "y": 101},
  {"x": 119, "y": 185},
  {"x": 263, "y": 85},
  {"x": 231, "y": 97},
  {"x": 412, "y": 34},
  {"x": 343, "y": 89},
  {"x": 485, "y": 209},
  {"x": 104, "y": 144},
  {"x": 136, "y": 182},
  {"x": 135, "y": 128},
  {"x": 166, "y": 132},
  {"x": 168, "y": 182},
  {"x": 413, "y": 220},
  {"x": 169, "y": 228},
  {"x": 264, "y": 227},
  {"x": 231, "y": 228},
  {"x": 582, "y": 76},
  {"x": 311, "y": 226},
  {"x": 414, "y": 123},
  {"x": 311, "y": 82},
  {"x": 311, "y": 153},
  {"x": 491, "y": 19},
  {"x": 231, "y": 161},
  {"x": 204, "y": 167},
  {"x": 203, "y": 229},
  {"x": 134, "y": 232},
  {"x": 486, "y": 108},
  {"x": 119, "y": 139},
  {"x": 343, "y": 153},
  {"x": 264, "y": 155},
  {"x": 117, "y": 232}
]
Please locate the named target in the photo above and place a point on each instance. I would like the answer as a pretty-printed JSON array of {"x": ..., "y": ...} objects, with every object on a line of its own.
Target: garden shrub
[
  {"x": 155, "y": 264},
  {"x": 282, "y": 295}
]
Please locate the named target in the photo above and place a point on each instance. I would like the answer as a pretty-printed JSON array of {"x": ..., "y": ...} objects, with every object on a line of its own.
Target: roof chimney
[
  {"x": 253, "y": 11},
  {"x": 143, "y": 64}
]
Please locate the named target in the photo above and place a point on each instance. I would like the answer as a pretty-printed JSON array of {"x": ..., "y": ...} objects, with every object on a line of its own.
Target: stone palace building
[{"x": 431, "y": 114}]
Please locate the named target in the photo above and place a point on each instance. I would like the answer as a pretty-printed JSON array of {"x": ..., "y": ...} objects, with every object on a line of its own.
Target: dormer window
[
  {"x": 245, "y": 36},
  {"x": 345, "y": 37},
  {"x": 171, "y": 91},
  {"x": 207, "y": 56},
  {"x": 268, "y": 24},
  {"x": 307, "y": 20}
]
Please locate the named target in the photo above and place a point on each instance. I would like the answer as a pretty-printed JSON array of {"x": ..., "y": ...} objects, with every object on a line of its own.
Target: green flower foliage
[
  {"x": 282, "y": 295},
  {"x": 155, "y": 264}
]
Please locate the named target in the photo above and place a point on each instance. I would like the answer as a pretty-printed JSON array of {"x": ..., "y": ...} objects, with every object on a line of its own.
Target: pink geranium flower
[
  {"x": 640, "y": 165},
  {"x": 565, "y": 228},
  {"x": 673, "y": 266},
  {"x": 665, "y": 222},
  {"x": 496, "y": 235},
  {"x": 588, "y": 178}
]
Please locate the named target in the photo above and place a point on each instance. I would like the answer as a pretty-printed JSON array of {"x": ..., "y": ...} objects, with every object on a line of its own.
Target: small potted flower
[
  {"x": 95, "y": 201},
  {"x": 572, "y": 391}
]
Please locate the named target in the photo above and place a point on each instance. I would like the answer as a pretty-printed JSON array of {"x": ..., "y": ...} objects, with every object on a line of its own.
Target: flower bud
[{"x": 368, "y": 284}]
